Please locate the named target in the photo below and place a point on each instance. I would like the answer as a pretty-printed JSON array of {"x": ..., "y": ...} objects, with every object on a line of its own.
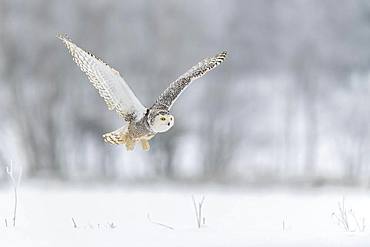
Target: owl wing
[
  {"x": 110, "y": 85},
  {"x": 169, "y": 96}
]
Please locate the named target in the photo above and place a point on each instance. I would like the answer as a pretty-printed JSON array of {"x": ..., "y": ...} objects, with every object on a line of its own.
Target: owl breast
[{"x": 140, "y": 129}]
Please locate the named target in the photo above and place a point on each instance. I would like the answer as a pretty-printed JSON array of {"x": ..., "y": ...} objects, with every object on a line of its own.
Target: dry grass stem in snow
[
  {"x": 15, "y": 179},
  {"x": 198, "y": 207},
  {"x": 347, "y": 218},
  {"x": 74, "y": 223}
]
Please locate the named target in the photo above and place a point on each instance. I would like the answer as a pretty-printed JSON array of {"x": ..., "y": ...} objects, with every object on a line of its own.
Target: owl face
[{"x": 162, "y": 122}]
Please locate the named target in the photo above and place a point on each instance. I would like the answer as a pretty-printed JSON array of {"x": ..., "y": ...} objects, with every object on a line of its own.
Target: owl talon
[{"x": 145, "y": 144}]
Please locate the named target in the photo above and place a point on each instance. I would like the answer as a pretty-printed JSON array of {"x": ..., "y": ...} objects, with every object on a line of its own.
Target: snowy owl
[{"x": 140, "y": 123}]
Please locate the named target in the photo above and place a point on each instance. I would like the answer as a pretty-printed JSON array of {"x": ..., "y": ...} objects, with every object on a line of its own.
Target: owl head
[{"x": 162, "y": 122}]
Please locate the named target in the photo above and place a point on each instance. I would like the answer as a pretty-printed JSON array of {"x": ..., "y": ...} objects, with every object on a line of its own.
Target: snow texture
[{"x": 144, "y": 216}]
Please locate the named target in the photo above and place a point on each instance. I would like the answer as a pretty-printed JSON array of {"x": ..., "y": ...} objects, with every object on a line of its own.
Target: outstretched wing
[
  {"x": 110, "y": 85},
  {"x": 169, "y": 96}
]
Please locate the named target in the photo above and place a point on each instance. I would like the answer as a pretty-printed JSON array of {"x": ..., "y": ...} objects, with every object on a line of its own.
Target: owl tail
[{"x": 116, "y": 137}]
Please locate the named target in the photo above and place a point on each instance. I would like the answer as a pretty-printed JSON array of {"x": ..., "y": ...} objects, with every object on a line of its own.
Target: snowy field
[{"x": 164, "y": 216}]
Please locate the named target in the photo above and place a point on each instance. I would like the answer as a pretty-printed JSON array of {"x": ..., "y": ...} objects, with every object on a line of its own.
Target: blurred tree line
[{"x": 292, "y": 101}]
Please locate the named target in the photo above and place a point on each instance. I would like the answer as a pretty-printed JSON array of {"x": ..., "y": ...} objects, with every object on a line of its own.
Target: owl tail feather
[
  {"x": 116, "y": 137},
  {"x": 120, "y": 137},
  {"x": 112, "y": 138}
]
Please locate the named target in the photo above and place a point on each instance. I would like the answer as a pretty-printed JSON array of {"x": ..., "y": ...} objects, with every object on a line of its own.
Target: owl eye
[{"x": 162, "y": 118}]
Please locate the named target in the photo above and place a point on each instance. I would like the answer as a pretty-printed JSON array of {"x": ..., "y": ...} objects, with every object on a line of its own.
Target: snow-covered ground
[{"x": 132, "y": 216}]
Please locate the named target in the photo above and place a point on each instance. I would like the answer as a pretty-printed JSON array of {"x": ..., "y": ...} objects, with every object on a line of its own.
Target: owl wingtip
[
  {"x": 222, "y": 55},
  {"x": 63, "y": 36}
]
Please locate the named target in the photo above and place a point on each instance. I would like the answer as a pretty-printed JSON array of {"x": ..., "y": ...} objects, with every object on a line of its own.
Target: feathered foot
[
  {"x": 130, "y": 144},
  {"x": 145, "y": 144}
]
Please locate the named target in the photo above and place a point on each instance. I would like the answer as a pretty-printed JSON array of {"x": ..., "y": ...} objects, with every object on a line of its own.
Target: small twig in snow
[
  {"x": 361, "y": 227},
  {"x": 108, "y": 225},
  {"x": 74, "y": 223},
  {"x": 112, "y": 225},
  {"x": 160, "y": 224}
]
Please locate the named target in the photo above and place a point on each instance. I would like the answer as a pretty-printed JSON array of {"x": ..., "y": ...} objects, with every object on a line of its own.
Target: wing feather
[
  {"x": 169, "y": 96},
  {"x": 110, "y": 85}
]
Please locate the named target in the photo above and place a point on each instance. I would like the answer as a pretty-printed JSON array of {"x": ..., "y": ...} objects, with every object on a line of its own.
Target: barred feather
[
  {"x": 110, "y": 85},
  {"x": 117, "y": 136},
  {"x": 169, "y": 96}
]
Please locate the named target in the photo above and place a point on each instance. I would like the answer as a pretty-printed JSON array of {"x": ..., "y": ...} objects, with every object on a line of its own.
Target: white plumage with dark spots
[{"x": 140, "y": 123}]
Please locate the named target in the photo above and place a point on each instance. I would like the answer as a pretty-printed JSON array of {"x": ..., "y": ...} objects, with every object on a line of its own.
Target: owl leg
[
  {"x": 130, "y": 143},
  {"x": 145, "y": 144}
]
